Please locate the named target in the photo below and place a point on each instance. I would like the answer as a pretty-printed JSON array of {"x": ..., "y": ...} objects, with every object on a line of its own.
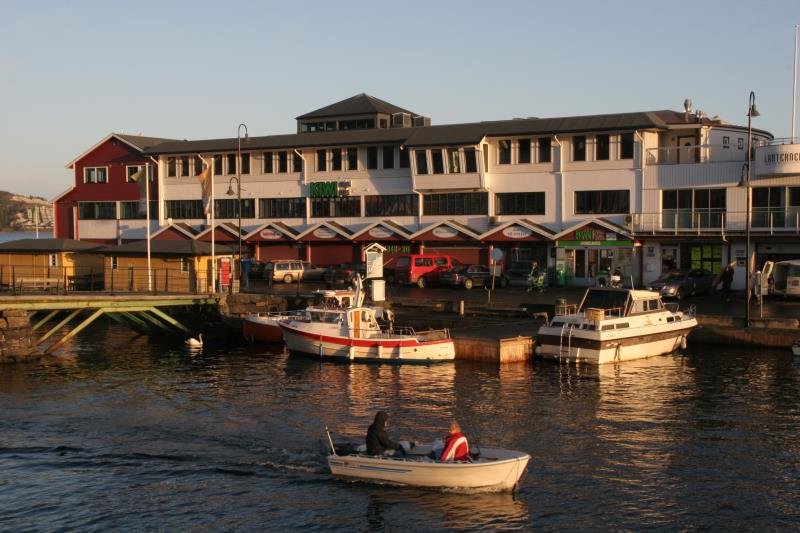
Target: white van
[{"x": 785, "y": 276}]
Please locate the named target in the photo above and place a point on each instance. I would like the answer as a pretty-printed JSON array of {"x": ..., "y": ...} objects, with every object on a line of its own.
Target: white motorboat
[
  {"x": 488, "y": 470},
  {"x": 613, "y": 324},
  {"x": 263, "y": 327},
  {"x": 796, "y": 347},
  {"x": 355, "y": 333}
]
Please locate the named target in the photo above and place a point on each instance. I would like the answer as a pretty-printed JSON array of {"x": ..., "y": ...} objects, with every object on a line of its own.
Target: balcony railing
[
  {"x": 700, "y": 153},
  {"x": 772, "y": 221}
]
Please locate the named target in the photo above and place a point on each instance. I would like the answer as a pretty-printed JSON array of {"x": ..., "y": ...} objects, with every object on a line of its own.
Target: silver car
[{"x": 685, "y": 282}]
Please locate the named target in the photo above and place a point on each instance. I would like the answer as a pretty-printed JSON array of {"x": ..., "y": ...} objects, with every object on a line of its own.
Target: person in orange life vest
[{"x": 456, "y": 447}]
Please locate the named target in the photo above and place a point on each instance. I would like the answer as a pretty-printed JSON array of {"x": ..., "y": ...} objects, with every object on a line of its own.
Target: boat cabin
[{"x": 601, "y": 302}]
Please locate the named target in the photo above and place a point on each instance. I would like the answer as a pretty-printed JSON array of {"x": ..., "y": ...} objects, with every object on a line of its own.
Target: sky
[{"x": 71, "y": 71}]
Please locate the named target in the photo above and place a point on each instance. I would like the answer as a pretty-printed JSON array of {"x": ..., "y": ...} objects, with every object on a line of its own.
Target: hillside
[{"x": 21, "y": 212}]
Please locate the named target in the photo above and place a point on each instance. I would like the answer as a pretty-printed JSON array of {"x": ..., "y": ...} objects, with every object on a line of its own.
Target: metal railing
[{"x": 768, "y": 220}]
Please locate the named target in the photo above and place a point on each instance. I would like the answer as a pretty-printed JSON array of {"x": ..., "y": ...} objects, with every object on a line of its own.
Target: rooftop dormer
[{"x": 361, "y": 111}]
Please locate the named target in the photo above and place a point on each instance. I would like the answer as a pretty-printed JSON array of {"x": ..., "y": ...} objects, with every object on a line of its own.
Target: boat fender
[
  {"x": 683, "y": 342},
  {"x": 537, "y": 350}
]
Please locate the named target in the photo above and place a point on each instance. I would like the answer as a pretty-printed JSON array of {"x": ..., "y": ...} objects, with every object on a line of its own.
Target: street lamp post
[
  {"x": 751, "y": 112},
  {"x": 238, "y": 179}
]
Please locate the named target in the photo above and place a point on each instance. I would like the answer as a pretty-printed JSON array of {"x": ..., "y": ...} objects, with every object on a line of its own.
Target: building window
[
  {"x": 297, "y": 163},
  {"x": 198, "y": 165},
  {"x": 352, "y": 159},
  {"x": 185, "y": 166},
  {"x": 218, "y": 165},
  {"x": 336, "y": 159},
  {"x": 130, "y": 170},
  {"x": 342, "y": 206},
  {"x": 422, "y": 161},
  {"x": 520, "y": 203},
  {"x": 545, "y": 150},
  {"x": 470, "y": 160},
  {"x": 372, "y": 157},
  {"x": 130, "y": 210},
  {"x": 171, "y": 167},
  {"x": 97, "y": 210},
  {"x": 601, "y": 147},
  {"x": 322, "y": 160},
  {"x": 404, "y": 158},
  {"x": 468, "y": 203},
  {"x": 229, "y": 208},
  {"x": 693, "y": 208},
  {"x": 283, "y": 162},
  {"x": 268, "y": 168},
  {"x": 504, "y": 152},
  {"x": 391, "y": 205},
  {"x": 95, "y": 175},
  {"x": 114, "y": 260},
  {"x": 437, "y": 161},
  {"x": 245, "y": 163},
  {"x": 183, "y": 209},
  {"x": 602, "y": 202},
  {"x": 358, "y": 124},
  {"x": 453, "y": 161},
  {"x": 52, "y": 260},
  {"x": 282, "y": 207},
  {"x": 726, "y": 142},
  {"x": 388, "y": 157},
  {"x": 231, "y": 163},
  {"x": 579, "y": 148},
  {"x": 626, "y": 146},
  {"x": 524, "y": 151},
  {"x": 184, "y": 264}
]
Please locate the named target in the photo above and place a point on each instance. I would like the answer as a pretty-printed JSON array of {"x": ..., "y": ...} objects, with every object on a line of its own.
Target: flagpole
[
  {"x": 794, "y": 84},
  {"x": 213, "y": 255},
  {"x": 147, "y": 207}
]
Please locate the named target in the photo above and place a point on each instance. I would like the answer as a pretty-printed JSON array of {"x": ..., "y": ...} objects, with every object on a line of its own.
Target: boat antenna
[{"x": 330, "y": 440}]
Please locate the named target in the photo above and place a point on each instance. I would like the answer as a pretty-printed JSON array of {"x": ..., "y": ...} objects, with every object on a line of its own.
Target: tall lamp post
[
  {"x": 751, "y": 112},
  {"x": 238, "y": 192}
]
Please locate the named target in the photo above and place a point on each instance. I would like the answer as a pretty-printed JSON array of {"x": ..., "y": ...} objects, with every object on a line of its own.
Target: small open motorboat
[
  {"x": 489, "y": 470},
  {"x": 796, "y": 347}
]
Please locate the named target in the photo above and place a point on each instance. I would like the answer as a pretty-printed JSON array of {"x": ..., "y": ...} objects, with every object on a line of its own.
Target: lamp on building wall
[
  {"x": 751, "y": 112},
  {"x": 238, "y": 192}
]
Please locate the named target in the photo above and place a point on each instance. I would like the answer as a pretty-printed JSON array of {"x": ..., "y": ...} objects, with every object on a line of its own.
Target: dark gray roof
[
  {"x": 48, "y": 245},
  {"x": 443, "y": 135},
  {"x": 168, "y": 247},
  {"x": 360, "y": 104},
  {"x": 142, "y": 142}
]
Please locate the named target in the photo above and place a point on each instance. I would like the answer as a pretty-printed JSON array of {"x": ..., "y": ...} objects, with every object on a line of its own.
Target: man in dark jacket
[{"x": 377, "y": 439}]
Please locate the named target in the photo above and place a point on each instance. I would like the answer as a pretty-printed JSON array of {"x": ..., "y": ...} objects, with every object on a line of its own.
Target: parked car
[
  {"x": 517, "y": 272},
  {"x": 344, "y": 272},
  {"x": 685, "y": 282},
  {"x": 312, "y": 272},
  {"x": 422, "y": 269},
  {"x": 468, "y": 276}
]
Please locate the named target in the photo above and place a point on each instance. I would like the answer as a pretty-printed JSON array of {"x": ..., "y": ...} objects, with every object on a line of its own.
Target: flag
[
  {"x": 205, "y": 184},
  {"x": 140, "y": 177}
]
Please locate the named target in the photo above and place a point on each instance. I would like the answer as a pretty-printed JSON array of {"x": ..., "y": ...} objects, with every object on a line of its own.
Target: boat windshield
[{"x": 604, "y": 299}]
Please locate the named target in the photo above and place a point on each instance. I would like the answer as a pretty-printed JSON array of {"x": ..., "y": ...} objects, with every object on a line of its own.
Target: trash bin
[{"x": 561, "y": 277}]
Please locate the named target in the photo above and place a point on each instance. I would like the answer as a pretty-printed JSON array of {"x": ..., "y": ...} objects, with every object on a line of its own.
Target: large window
[
  {"x": 437, "y": 161},
  {"x": 322, "y": 161},
  {"x": 602, "y": 202},
  {"x": 218, "y": 165},
  {"x": 545, "y": 151},
  {"x": 95, "y": 175},
  {"x": 524, "y": 151},
  {"x": 171, "y": 167},
  {"x": 404, "y": 159},
  {"x": 336, "y": 159},
  {"x": 229, "y": 208},
  {"x": 245, "y": 163},
  {"x": 391, "y": 205},
  {"x": 422, "y": 161},
  {"x": 283, "y": 162},
  {"x": 693, "y": 208},
  {"x": 602, "y": 147},
  {"x": 453, "y": 161},
  {"x": 470, "y": 160},
  {"x": 231, "y": 163},
  {"x": 388, "y": 156},
  {"x": 352, "y": 159},
  {"x": 268, "y": 163},
  {"x": 130, "y": 210},
  {"x": 97, "y": 210},
  {"x": 520, "y": 203},
  {"x": 504, "y": 152},
  {"x": 467, "y": 203},
  {"x": 768, "y": 206},
  {"x": 282, "y": 207},
  {"x": 626, "y": 146},
  {"x": 579, "y": 148},
  {"x": 185, "y": 168},
  {"x": 181, "y": 209},
  {"x": 297, "y": 162},
  {"x": 372, "y": 157},
  {"x": 342, "y": 206}
]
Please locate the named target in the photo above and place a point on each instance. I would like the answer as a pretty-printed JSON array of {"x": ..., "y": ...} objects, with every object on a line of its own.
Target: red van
[{"x": 422, "y": 269}]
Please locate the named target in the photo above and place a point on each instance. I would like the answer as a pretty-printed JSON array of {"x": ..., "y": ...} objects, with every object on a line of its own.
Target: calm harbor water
[{"x": 120, "y": 433}]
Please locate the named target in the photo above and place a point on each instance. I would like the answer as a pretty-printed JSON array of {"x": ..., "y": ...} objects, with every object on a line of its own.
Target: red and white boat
[
  {"x": 263, "y": 327},
  {"x": 354, "y": 333}
]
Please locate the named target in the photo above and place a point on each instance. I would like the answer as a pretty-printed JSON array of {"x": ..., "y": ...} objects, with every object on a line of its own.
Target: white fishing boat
[
  {"x": 263, "y": 327},
  {"x": 362, "y": 333},
  {"x": 488, "y": 470},
  {"x": 612, "y": 324}
]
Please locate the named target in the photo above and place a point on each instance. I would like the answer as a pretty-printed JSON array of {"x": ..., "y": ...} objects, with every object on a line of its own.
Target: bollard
[{"x": 461, "y": 308}]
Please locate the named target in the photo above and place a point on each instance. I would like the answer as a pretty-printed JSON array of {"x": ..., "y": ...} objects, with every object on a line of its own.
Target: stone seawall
[{"x": 15, "y": 336}]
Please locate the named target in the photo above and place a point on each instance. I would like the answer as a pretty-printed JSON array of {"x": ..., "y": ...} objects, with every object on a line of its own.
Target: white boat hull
[
  {"x": 310, "y": 339},
  {"x": 494, "y": 470},
  {"x": 599, "y": 349}
]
